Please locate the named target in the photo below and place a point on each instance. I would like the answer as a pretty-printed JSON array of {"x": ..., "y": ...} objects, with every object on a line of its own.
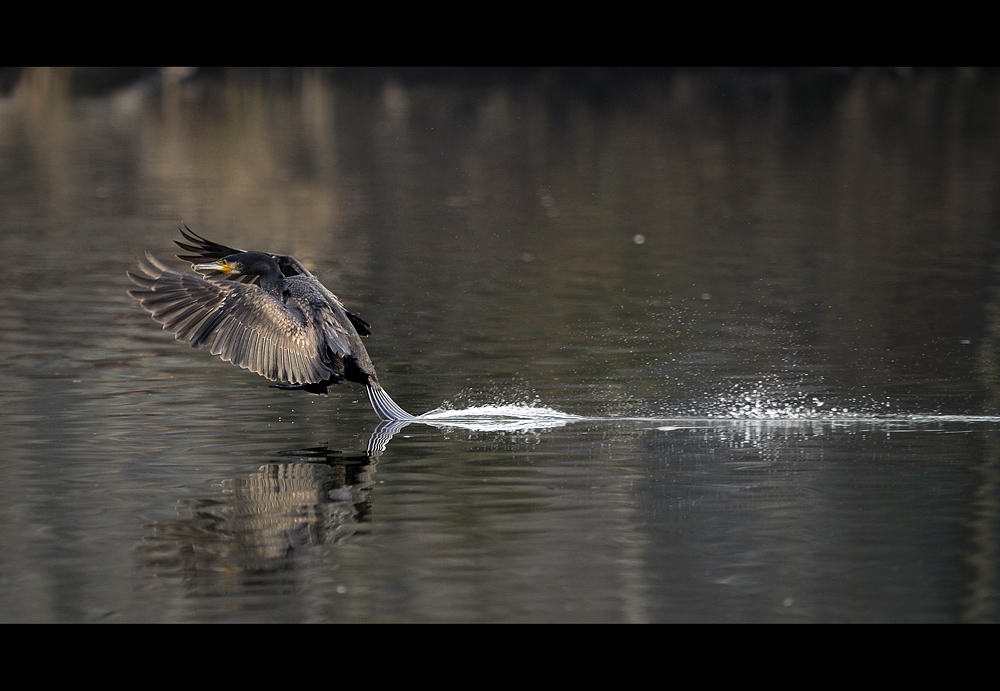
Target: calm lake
[{"x": 695, "y": 346}]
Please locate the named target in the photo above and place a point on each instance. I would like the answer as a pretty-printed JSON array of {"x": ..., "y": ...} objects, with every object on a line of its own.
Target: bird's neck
[{"x": 272, "y": 283}]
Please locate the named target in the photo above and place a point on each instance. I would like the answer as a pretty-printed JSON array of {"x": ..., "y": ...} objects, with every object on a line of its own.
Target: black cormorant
[{"x": 264, "y": 312}]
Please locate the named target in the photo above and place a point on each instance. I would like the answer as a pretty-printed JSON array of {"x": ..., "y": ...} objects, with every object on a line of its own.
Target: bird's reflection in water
[
  {"x": 383, "y": 434},
  {"x": 310, "y": 497},
  {"x": 255, "y": 524}
]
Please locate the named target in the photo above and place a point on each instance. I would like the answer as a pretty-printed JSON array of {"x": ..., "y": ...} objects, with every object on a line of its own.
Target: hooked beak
[{"x": 222, "y": 265}]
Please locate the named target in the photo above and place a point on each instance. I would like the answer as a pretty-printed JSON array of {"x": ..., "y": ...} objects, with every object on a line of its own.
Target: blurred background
[{"x": 770, "y": 294}]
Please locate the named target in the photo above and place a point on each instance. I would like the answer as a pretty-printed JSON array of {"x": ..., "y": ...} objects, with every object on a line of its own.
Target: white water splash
[
  {"x": 746, "y": 420},
  {"x": 504, "y": 417},
  {"x": 517, "y": 418},
  {"x": 768, "y": 401}
]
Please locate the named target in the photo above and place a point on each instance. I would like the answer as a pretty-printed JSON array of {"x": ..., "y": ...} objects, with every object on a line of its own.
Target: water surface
[{"x": 698, "y": 347}]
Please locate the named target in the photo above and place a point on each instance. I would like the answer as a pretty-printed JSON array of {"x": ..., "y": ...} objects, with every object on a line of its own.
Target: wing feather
[
  {"x": 245, "y": 325},
  {"x": 204, "y": 250}
]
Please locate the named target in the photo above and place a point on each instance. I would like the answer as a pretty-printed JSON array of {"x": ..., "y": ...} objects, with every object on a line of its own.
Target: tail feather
[{"x": 385, "y": 407}]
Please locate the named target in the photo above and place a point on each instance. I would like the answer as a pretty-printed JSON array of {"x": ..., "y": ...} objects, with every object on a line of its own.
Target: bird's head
[{"x": 243, "y": 264}]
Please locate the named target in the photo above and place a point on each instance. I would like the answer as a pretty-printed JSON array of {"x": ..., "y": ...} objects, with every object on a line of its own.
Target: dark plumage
[{"x": 263, "y": 312}]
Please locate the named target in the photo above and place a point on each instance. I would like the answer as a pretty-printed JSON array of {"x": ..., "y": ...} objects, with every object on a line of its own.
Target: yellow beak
[{"x": 221, "y": 265}]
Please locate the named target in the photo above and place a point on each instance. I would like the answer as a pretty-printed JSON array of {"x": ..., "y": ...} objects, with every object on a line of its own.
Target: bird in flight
[{"x": 263, "y": 312}]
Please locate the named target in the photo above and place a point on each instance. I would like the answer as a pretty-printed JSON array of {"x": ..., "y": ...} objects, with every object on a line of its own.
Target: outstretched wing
[
  {"x": 245, "y": 325},
  {"x": 204, "y": 250}
]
